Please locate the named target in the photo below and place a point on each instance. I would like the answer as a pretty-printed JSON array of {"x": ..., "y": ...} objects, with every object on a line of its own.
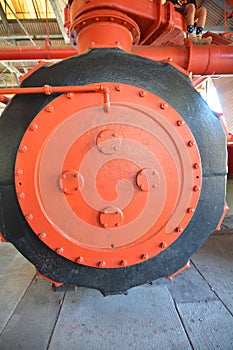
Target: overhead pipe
[{"x": 205, "y": 59}]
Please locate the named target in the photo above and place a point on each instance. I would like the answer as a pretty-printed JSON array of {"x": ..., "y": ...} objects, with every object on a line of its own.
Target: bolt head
[
  {"x": 163, "y": 245},
  {"x": 49, "y": 109},
  {"x": 163, "y": 105},
  {"x": 33, "y": 127},
  {"x": 124, "y": 263},
  {"x": 80, "y": 260},
  {"x": 191, "y": 143},
  {"x": 29, "y": 217},
  {"x": 101, "y": 263},
  {"x": 142, "y": 93},
  {"x": 18, "y": 172},
  {"x": 42, "y": 235},
  {"x": 21, "y": 195},
  {"x": 118, "y": 87},
  {"x": 196, "y": 165},
  {"x": 196, "y": 188},
  {"x": 59, "y": 250},
  {"x": 190, "y": 210},
  {"x": 179, "y": 229},
  {"x": 23, "y": 149},
  {"x": 145, "y": 256},
  {"x": 180, "y": 122},
  {"x": 70, "y": 95}
]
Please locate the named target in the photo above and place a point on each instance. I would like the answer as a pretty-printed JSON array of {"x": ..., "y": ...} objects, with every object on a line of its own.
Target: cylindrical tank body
[{"x": 115, "y": 184}]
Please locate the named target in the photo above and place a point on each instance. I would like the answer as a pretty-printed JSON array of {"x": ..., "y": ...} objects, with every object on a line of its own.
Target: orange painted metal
[
  {"x": 107, "y": 195},
  {"x": 187, "y": 266},
  {"x": 104, "y": 28},
  {"x": 152, "y": 18},
  {"x": 2, "y": 238},
  {"x": 4, "y": 99},
  {"x": 226, "y": 209},
  {"x": 200, "y": 60},
  {"x": 56, "y": 284}
]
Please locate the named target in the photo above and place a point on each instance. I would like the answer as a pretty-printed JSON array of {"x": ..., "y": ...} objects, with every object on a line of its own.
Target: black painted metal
[{"x": 172, "y": 86}]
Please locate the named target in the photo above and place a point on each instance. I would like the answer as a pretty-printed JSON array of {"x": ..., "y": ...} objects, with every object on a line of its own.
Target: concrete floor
[{"x": 194, "y": 311}]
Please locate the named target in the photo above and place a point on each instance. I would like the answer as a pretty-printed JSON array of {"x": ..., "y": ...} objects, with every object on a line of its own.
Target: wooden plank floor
[{"x": 194, "y": 311}]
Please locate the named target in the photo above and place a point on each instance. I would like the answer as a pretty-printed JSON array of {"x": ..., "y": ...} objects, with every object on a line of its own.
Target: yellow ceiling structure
[{"x": 27, "y": 9}]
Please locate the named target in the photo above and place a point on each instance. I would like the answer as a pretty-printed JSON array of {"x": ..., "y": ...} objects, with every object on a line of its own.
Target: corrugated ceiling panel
[{"x": 28, "y": 9}]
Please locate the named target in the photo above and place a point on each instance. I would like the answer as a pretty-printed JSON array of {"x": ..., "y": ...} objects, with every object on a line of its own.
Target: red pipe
[
  {"x": 200, "y": 60},
  {"x": 205, "y": 59}
]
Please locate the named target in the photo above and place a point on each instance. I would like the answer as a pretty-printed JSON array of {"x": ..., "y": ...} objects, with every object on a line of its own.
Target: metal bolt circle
[{"x": 132, "y": 260}]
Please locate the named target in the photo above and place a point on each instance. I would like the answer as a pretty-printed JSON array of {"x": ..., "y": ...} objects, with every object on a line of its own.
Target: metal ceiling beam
[
  {"x": 20, "y": 24},
  {"x": 26, "y": 37},
  {"x": 57, "y": 12},
  {"x": 4, "y": 20}
]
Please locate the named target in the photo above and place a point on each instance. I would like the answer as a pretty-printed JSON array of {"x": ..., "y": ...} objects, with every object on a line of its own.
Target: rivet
[
  {"x": 92, "y": 43},
  {"x": 154, "y": 173},
  {"x": 117, "y": 42},
  {"x": 153, "y": 186},
  {"x": 163, "y": 105},
  {"x": 23, "y": 149},
  {"x": 70, "y": 95},
  {"x": 97, "y": 19},
  {"x": 29, "y": 217},
  {"x": 118, "y": 87},
  {"x": 65, "y": 190},
  {"x": 111, "y": 19},
  {"x": 115, "y": 148},
  {"x": 190, "y": 210},
  {"x": 63, "y": 176},
  {"x": 142, "y": 187},
  {"x": 105, "y": 225},
  {"x": 144, "y": 256},
  {"x": 42, "y": 235},
  {"x": 170, "y": 59},
  {"x": 18, "y": 172},
  {"x": 84, "y": 23},
  {"x": 59, "y": 250},
  {"x": 80, "y": 259},
  {"x": 124, "y": 263},
  {"x": 21, "y": 195},
  {"x": 142, "y": 93},
  {"x": 196, "y": 166},
  {"x": 118, "y": 224},
  {"x": 101, "y": 263},
  {"x": 49, "y": 109},
  {"x": 163, "y": 245},
  {"x": 179, "y": 229},
  {"x": 191, "y": 143},
  {"x": 33, "y": 127},
  {"x": 196, "y": 188},
  {"x": 180, "y": 122}
]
